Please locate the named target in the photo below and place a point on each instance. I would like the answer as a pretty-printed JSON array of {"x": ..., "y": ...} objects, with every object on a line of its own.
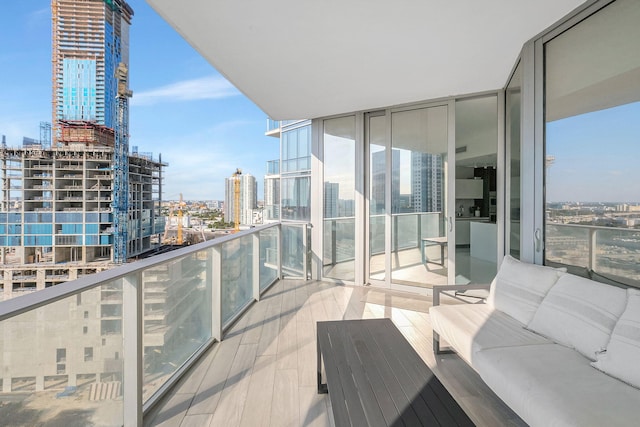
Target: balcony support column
[{"x": 132, "y": 331}]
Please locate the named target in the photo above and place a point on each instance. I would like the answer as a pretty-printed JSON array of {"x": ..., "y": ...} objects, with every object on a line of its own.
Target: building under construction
[
  {"x": 57, "y": 212},
  {"x": 78, "y": 200}
]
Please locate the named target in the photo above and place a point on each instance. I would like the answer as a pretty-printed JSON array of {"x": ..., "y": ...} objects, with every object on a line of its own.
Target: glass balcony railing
[
  {"x": 608, "y": 251},
  {"x": 272, "y": 125},
  {"x": 107, "y": 346}
]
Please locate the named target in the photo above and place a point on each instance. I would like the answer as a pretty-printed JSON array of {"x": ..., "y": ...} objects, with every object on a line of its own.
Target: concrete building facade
[{"x": 248, "y": 198}]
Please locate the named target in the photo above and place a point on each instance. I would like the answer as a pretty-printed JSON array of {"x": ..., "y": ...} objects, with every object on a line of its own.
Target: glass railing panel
[
  {"x": 268, "y": 256},
  {"x": 177, "y": 315},
  {"x": 339, "y": 248},
  {"x": 405, "y": 231},
  {"x": 237, "y": 276},
  {"x": 376, "y": 234},
  {"x": 272, "y": 125},
  {"x": 567, "y": 244},
  {"x": 617, "y": 253},
  {"x": 63, "y": 363},
  {"x": 292, "y": 249},
  {"x": 431, "y": 224}
]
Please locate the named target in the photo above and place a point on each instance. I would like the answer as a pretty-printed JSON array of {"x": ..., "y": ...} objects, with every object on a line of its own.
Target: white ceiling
[{"x": 304, "y": 59}]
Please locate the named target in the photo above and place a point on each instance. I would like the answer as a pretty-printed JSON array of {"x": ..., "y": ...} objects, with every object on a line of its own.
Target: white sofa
[{"x": 558, "y": 349}]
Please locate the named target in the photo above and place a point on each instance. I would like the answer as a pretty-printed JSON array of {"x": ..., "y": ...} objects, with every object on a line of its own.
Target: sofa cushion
[
  {"x": 552, "y": 385},
  {"x": 469, "y": 328},
  {"x": 580, "y": 314},
  {"x": 519, "y": 288},
  {"x": 622, "y": 358}
]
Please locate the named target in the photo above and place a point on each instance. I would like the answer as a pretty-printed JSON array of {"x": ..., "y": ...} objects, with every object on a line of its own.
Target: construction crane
[
  {"x": 173, "y": 208},
  {"x": 236, "y": 199},
  {"x": 121, "y": 166},
  {"x": 181, "y": 205}
]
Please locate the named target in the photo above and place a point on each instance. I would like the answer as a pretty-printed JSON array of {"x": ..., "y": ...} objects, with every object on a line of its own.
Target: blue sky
[
  {"x": 597, "y": 156},
  {"x": 182, "y": 107}
]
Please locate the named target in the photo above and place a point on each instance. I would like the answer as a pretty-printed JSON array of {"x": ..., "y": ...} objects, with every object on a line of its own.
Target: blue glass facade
[{"x": 79, "y": 89}]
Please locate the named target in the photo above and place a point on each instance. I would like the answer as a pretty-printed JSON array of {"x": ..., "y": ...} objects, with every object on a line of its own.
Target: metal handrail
[{"x": 16, "y": 306}]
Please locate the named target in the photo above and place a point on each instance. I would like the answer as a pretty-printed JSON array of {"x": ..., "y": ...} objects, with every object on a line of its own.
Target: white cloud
[{"x": 188, "y": 90}]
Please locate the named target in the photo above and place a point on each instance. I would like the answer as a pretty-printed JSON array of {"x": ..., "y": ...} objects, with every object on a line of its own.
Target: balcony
[
  {"x": 273, "y": 128},
  {"x": 234, "y": 346}
]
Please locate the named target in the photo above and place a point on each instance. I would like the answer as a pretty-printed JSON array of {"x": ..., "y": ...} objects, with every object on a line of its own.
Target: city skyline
[{"x": 181, "y": 107}]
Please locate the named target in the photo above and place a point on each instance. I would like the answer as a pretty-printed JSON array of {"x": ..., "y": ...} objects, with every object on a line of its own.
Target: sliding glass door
[{"x": 407, "y": 202}]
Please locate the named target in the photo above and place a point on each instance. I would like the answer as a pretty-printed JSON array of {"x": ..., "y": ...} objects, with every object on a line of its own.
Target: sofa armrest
[{"x": 438, "y": 289}]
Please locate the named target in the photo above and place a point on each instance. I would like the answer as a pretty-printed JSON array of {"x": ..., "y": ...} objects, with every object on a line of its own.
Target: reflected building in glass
[{"x": 426, "y": 182}]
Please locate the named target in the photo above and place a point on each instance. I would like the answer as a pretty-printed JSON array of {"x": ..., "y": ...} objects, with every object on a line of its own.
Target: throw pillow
[
  {"x": 519, "y": 288},
  {"x": 623, "y": 352},
  {"x": 580, "y": 314}
]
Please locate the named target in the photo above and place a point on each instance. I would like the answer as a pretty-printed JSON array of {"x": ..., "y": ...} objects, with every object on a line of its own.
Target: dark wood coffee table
[{"x": 375, "y": 378}]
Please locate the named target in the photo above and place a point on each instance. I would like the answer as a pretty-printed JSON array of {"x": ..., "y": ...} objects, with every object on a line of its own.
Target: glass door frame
[{"x": 449, "y": 196}]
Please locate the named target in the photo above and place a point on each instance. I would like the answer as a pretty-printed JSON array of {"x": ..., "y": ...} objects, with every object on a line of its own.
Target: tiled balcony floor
[{"x": 263, "y": 372}]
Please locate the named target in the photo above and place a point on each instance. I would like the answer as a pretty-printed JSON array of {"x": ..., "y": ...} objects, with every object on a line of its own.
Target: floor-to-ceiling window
[
  {"x": 476, "y": 189},
  {"x": 339, "y": 226},
  {"x": 295, "y": 192},
  {"x": 592, "y": 144}
]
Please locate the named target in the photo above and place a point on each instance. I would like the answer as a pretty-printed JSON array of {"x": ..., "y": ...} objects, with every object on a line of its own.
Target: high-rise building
[
  {"x": 426, "y": 182},
  {"x": 272, "y": 192},
  {"x": 248, "y": 198},
  {"x": 90, "y": 41},
  {"x": 331, "y": 199}
]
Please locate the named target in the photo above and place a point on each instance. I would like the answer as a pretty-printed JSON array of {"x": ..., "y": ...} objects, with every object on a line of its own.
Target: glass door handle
[
  {"x": 538, "y": 237},
  {"x": 450, "y": 224}
]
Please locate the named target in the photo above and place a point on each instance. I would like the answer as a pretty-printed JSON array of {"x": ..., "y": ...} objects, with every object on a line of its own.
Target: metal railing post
[
  {"x": 334, "y": 225},
  {"x": 308, "y": 251},
  {"x": 305, "y": 248},
  {"x": 132, "y": 330},
  {"x": 279, "y": 251},
  {"x": 592, "y": 248},
  {"x": 255, "y": 240},
  {"x": 216, "y": 293}
]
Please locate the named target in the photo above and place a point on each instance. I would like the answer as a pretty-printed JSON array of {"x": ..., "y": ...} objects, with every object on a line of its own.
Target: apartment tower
[{"x": 248, "y": 198}]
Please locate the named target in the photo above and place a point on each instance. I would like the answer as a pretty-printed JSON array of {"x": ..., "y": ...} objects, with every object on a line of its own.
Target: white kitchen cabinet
[
  {"x": 463, "y": 232},
  {"x": 469, "y": 189}
]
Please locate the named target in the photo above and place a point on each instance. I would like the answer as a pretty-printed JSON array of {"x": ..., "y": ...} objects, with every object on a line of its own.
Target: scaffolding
[{"x": 121, "y": 167}]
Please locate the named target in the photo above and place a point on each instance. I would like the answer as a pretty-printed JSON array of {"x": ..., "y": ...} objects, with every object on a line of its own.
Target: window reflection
[
  {"x": 592, "y": 108},
  {"x": 339, "y": 198},
  {"x": 295, "y": 174},
  {"x": 418, "y": 177}
]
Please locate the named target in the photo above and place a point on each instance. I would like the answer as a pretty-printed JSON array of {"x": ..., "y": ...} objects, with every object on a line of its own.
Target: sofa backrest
[{"x": 519, "y": 288}]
